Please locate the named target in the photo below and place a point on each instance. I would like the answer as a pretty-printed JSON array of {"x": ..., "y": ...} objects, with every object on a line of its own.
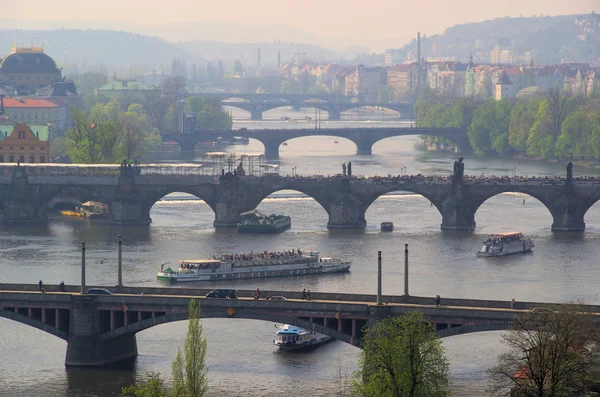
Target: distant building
[
  {"x": 398, "y": 78},
  {"x": 503, "y": 55},
  {"x": 118, "y": 89},
  {"x": 24, "y": 143},
  {"x": 363, "y": 82},
  {"x": 34, "y": 111},
  {"x": 392, "y": 57},
  {"x": 505, "y": 89},
  {"x": 26, "y": 69}
]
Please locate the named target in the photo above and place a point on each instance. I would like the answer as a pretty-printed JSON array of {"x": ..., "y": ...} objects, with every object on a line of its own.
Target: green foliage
[
  {"x": 152, "y": 387},
  {"x": 58, "y": 147},
  {"x": 402, "y": 357},
  {"x": 188, "y": 369},
  {"x": 106, "y": 134},
  {"x": 209, "y": 114},
  {"x": 189, "y": 372},
  {"x": 489, "y": 128},
  {"x": 556, "y": 126}
]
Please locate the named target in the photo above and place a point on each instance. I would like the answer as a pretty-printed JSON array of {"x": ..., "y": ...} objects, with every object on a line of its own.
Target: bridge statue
[
  {"x": 240, "y": 170},
  {"x": 459, "y": 170},
  {"x": 349, "y": 169},
  {"x": 344, "y": 169},
  {"x": 569, "y": 172}
]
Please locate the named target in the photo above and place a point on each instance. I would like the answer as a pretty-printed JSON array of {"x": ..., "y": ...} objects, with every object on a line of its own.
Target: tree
[
  {"x": 522, "y": 118},
  {"x": 558, "y": 109},
  {"x": 152, "y": 387},
  {"x": 489, "y": 128},
  {"x": 58, "y": 147},
  {"x": 551, "y": 353},
  {"x": 402, "y": 357},
  {"x": 189, "y": 372},
  {"x": 541, "y": 142},
  {"x": 173, "y": 88}
]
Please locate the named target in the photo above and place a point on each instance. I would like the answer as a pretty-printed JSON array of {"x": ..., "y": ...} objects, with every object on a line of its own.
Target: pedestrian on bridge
[
  {"x": 437, "y": 300},
  {"x": 62, "y": 286},
  {"x": 40, "y": 284},
  {"x": 512, "y": 303},
  {"x": 304, "y": 293}
]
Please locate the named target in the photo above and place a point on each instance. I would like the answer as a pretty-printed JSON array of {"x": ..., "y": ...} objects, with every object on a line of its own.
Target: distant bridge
[
  {"x": 334, "y": 105},
  {"x": 363, "y": 138},
  {"x": 101, "y": 329}
]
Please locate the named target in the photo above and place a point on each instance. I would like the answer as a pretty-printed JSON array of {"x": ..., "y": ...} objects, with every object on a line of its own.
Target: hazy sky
[{"x": 360, "y": 21}]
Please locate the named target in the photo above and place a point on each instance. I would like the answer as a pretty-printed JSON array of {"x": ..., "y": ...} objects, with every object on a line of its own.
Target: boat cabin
[
  {"x": 199, "y": 264},
  {"x": 505, "y": 237},
  {"x": 291, "y": 334}
]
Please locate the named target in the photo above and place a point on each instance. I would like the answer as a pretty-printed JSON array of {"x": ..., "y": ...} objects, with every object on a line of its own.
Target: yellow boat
[{"x": 72, "y": 213}]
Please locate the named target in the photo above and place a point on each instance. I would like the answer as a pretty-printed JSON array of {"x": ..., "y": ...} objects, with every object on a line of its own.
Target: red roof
[{"x": 28, "y": 103}]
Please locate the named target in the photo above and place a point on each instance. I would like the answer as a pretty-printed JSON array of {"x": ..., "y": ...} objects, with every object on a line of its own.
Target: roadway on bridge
[{"x": 345, "y": 302}]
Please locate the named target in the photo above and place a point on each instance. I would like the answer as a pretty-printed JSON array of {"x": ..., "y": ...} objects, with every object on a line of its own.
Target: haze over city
[
  {"x": 332, "y": 23},
  {"x": 389, "y": 183}
]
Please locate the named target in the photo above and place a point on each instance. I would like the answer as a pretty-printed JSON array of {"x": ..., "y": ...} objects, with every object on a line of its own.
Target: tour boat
[
  {"x": 255, "y": 221},
  {"x": 502, "y": 244},
  {"x": 292, "y": 338},
  {"x": 253, "y": 265}
]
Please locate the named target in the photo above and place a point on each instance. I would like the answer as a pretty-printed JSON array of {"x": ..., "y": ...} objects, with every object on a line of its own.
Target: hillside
[
  {"x": 93, "y": 48},
  {"x": 572, "y": 38}
]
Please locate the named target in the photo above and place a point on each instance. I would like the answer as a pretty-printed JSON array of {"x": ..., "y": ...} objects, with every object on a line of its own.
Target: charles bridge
[
  {"x": 363, "y": 138},
  {"x": 130, "y": 193},
  {"x": 101, "y": 329},
  {"x": 334, "y": 105}
]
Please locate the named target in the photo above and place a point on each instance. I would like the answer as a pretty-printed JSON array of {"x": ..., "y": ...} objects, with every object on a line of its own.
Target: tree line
[
  {"x": 557, "y": 126},
  {"x": 105, "y": 130}
]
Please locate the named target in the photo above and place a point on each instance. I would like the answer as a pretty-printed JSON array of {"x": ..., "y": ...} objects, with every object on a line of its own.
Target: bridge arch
[
  {"x": 274, "y": 204},
  {"x": 510, "y": 199},
  {"x": 150, "y": 200},
  {"x": 418, "y": 208},
  {"x": 35, "y": 323},
  {"x": 81, "y": 193},
  {"x": 241, "y": 314}
]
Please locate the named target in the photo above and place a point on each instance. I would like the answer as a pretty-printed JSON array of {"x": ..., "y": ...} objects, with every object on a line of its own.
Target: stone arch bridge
[
  {"x": 334, "y": 105},
  {"x": 130, "y": 193},
  {"x": 363, "y": 138},
  {"x": 101, "y": 329}
]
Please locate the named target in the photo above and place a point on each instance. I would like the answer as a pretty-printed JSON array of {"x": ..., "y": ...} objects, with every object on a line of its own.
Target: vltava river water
[{"x": 242, "y": 360}]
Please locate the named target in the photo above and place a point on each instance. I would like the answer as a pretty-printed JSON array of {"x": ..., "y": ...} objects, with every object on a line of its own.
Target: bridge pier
[
  {"x": 129, "y": 212},
  {"x": 334, "y": 114},
  {"x": 568, "y": 218},
  {"x": 23, "y": 211},
  {"x": 346, "y": 213},
  {"x": 256, "y": 114},
  {"x": 86, "y": 347},
  {"x": 456, "y": 215},
  {"x": 272, "y": 149}
]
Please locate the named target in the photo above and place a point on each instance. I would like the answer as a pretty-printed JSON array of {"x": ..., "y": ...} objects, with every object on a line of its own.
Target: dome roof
[{"x": 27, "y": 61}]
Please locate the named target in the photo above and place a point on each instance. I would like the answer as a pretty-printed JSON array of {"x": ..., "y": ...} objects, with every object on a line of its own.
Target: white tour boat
[
  {"x": 501, "y": 244},
  {"x": 253, "y": 265},
  {"x": 290, "y": 337}
]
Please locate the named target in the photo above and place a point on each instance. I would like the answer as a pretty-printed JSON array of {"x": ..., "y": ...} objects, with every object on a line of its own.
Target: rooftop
[{"x": 28, "y": 103}]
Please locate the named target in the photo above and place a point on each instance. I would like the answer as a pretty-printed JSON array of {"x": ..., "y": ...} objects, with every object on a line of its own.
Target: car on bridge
[
  {"x": 98, "y": 291},
  {"x": 223, "y": 293}
]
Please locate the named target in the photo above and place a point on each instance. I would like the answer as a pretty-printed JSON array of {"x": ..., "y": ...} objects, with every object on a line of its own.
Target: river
[{"x": 242, "y": 360}]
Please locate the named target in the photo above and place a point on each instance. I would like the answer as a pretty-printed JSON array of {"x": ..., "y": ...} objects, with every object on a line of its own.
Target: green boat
[{"x": 256, "y": 222}]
